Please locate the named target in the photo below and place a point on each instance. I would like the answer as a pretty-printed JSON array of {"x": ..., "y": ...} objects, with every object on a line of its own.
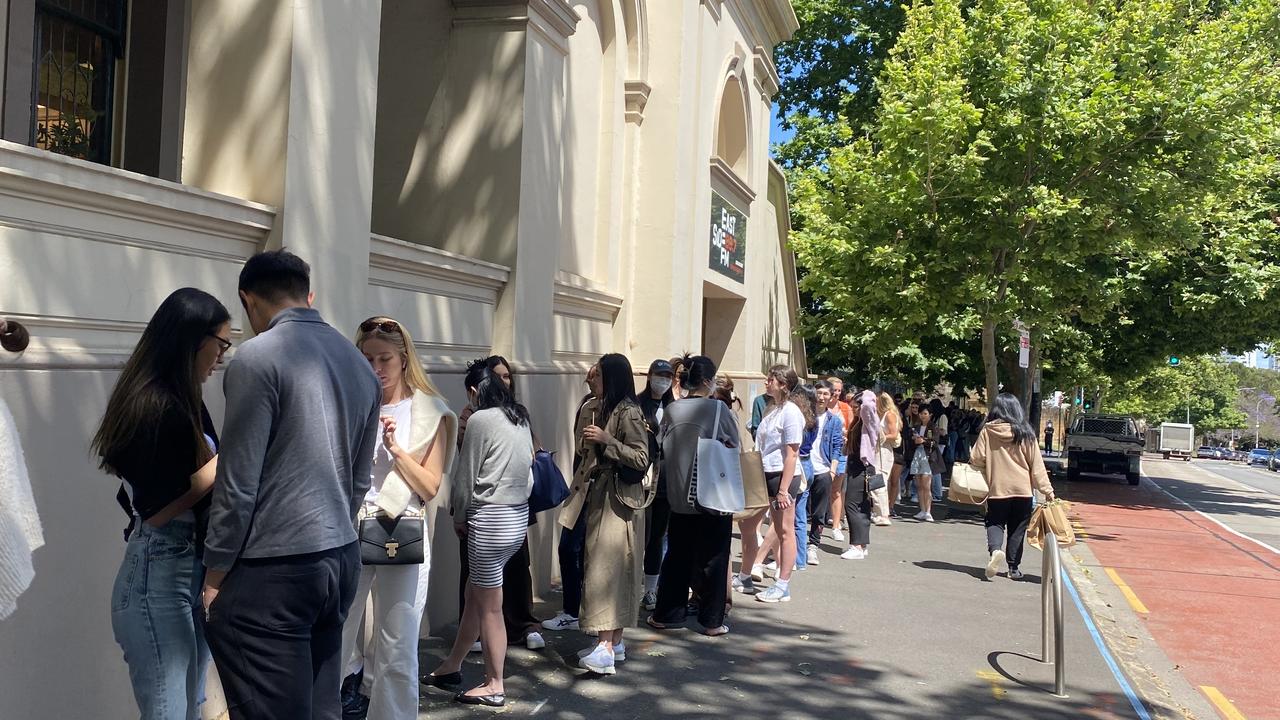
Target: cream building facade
[{"x": 545, "y": 179}]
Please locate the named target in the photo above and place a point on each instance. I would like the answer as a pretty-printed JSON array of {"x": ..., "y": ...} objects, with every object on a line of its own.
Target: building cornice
[
  {"x": 555, "y": 20},
  {"x": 781, "y": 19},
  {"x": 637, "y": 97},
  {"x": 737, "y": 187},
  {"x": 714, "y": 7},
  {"x": 766, "y": 73}
]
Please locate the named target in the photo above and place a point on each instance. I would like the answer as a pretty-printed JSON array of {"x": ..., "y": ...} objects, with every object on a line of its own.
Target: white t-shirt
[
  {"x": 821, "y": 463},
  {"x": 382, "y": 460},
  {"x": 777, "y": 430}
]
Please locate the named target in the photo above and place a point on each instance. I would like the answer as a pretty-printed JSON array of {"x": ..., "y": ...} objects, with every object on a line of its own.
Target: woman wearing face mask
[
  {"x": 156, "y": 435},
  {"x": 656, "y": 397},
  {"x": 408, "y": 470},
  {"x": 698, "y": 557}
]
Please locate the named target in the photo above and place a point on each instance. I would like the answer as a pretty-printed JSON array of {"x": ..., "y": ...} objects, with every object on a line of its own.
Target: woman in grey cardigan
[
  {"x": 490, "y": 504},
  {"x": 698, "y": 541}
]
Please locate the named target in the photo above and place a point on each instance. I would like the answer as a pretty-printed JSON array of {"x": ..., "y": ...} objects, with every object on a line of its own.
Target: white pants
[{"x": 391, "y": 661}]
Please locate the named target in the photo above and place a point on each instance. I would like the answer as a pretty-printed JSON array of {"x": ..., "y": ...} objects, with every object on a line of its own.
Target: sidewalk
[
  {"x": 1208, "y": 598},
  {"x": 911, "y": 632}
]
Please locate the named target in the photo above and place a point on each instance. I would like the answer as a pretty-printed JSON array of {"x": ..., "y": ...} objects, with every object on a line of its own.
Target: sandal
[
  {"x": 715, "y": 631},
  {"x": 657, "y": 625}
]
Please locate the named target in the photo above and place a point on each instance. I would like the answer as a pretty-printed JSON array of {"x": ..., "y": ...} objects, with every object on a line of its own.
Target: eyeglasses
[
  {"x": 223, "y": 344},
  {"x": 386, "y": 326}
]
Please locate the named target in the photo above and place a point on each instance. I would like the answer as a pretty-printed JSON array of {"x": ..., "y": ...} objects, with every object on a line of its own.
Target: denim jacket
[{"x": 831, "y": 444}]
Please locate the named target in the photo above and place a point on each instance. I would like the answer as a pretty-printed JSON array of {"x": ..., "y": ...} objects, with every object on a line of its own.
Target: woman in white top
[
  {"x": 409, "y": 467},
  {"x": 778, "y": 439},
  {"x": 890, "y": 438}
]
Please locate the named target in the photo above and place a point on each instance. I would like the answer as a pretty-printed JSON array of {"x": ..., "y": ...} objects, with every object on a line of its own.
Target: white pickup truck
[{"x": 1105, "y": 444}]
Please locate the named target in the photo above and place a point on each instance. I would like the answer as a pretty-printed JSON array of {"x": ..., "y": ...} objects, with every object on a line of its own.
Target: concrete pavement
[{"x": 913, "y": 631}]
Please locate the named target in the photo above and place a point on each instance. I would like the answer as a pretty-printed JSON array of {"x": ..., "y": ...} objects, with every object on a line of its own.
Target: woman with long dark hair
[
  {"x": 619, "y": 452},
  {"x": 654, "y": 400},
  {"x": 156, "y": 435},
  {"x": 698, "y": 558},
  {"x": 1008, "y": 456},
  {"x": 490, "y": 505},
  {"x": 926, "y": 461}
]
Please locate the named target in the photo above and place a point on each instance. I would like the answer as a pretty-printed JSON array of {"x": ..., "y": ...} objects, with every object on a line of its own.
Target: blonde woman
[
  {"x": 890, "y": 438},
  {"x": 409, "y": 467}
]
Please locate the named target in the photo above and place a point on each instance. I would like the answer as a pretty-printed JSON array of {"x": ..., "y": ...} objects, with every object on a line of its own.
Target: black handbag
[
  {"x": 874, "y": 480},
  {"x": 391, "y": 541}
]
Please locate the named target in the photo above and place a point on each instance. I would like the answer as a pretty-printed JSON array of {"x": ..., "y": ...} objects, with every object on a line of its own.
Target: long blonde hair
[
  {"x": 414, "y": 376},
  {"x": 889, "y": 411}
]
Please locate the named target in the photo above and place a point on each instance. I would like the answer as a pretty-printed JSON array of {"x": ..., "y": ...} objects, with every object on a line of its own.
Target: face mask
[{"x": 660, "y": 385}]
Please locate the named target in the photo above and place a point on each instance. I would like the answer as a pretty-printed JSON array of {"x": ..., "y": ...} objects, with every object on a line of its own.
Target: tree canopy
[{"x": 1106, "y": 172}]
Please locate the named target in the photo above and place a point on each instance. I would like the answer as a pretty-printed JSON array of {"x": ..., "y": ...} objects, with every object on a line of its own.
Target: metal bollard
[{"x": 1051, "y": 604}]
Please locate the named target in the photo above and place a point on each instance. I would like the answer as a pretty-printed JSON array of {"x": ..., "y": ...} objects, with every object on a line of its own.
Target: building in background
[{"x": 546, "y": 179}]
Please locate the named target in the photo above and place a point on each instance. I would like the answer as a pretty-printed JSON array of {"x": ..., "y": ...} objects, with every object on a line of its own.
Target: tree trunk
[{"x": 989, "y": 358}]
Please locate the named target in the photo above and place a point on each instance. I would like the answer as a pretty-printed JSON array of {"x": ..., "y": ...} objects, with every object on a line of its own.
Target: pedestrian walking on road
[
  {"x": 490, "y": 505},
  {"x": 619, "y": 452},
  {"x": 1007, "y": 455},
  {"x": 302, "y": 422},
  {"x": 409, "y": 469},
  {"x": 157, "y": 437},
  {"x": 926, "y": 461},
  {"x": 778, "y": 439},
  {"x": 698, "y": 556},
  {"x": 654, "y": 400},
  {"x": 1048, "y": 436}
]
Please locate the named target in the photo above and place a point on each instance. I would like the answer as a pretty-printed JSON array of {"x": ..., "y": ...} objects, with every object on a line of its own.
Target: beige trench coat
[{"x": 613, "y": 552}]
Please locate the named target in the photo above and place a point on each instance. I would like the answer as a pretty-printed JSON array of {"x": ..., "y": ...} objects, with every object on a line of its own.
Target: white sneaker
[
  {"x": 928, "y": 517},
  {"x": 476, "y": 647},
  {"x": 772, "y": 566},
  {"x": 854, "y": 553},
  {"x": 619, "y": 652},
  {"x": 534, "y": 641},
  {"x": 993, "y": 565},
  {"x": 813, "y": 557},
  {"x": 774, "y": 594},
  {"x": 837, "y": 534},
  {"x": 882, "y": 521},
  {"x": 757, "y": 572},
  {"x": 599, "y": 661},
  {"x": 920, "y": 515},
  {"x": 563, "y": 621}
]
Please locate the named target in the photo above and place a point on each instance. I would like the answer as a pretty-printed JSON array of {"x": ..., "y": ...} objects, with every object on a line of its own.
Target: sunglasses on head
[{"x": 386, "y": 326}]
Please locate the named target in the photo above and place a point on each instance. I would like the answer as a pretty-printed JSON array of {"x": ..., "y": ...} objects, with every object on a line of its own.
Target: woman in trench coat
[{"x": 616, "y": 438}]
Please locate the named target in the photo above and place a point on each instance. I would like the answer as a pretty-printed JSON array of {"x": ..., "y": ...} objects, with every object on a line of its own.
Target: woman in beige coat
[
  {"x": 1007, "y": 454},
  {"x": 617, "y": 442}
]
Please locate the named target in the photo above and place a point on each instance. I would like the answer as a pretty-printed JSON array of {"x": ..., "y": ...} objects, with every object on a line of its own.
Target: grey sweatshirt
[
  {"x": 495, "y": 465},
  {"x": 297, "y": 443},
  {"x": 683, "y": 423}
]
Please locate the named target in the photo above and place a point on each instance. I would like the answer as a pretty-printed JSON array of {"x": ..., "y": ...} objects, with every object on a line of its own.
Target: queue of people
[{"x": 260, "y": 548}]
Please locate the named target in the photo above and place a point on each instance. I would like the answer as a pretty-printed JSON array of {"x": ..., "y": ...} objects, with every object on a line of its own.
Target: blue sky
[{"x": 777, "y": 134}]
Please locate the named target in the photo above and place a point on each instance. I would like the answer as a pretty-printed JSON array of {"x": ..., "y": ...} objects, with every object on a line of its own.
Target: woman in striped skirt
[{"x": 490, "y": 505}]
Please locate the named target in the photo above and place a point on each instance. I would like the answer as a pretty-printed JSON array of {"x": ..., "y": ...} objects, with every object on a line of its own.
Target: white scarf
[
  {"x": 20, "y": 531},
  {"x": 427, "y": 416}
]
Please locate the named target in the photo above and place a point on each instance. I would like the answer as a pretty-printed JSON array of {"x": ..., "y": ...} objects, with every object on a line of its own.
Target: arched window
[{"x": 732, "y": 134}]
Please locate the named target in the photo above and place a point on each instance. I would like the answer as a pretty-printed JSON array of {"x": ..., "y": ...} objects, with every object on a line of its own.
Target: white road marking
[{"x": 1212, "y": 519}]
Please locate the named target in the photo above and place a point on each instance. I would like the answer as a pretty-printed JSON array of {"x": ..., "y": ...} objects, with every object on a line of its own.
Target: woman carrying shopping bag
[{"x": 1007, "y": 454}]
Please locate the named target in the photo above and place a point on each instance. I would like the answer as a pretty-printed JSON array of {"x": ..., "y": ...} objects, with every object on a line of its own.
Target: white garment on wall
[{"x": 20, "y": 531}]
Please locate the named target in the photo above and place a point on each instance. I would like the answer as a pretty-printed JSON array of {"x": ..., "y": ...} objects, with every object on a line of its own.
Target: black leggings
[
  {"x": 819, "y": 512},
  {"x": 857, "y": 510},
  {"x": 697, "y": 558},
  {"x": 655, "y": 532},
  {"x": 1008, "y": 516}
]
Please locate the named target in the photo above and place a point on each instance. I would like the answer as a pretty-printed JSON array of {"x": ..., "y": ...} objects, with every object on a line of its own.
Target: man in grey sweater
[{"x": 301, "y": 423}]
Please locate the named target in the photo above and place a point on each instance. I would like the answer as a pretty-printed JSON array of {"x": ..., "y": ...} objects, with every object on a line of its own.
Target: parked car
[
  {"x": 1204, "y": 452},
  {"x": 1260, "y": 456}
]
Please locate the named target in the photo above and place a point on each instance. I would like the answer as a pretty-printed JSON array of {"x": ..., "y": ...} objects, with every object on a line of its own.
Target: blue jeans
[
  {"x": 937, "y": 486},
  {"x": 802, "y": 516},
  {"x": 156, "y": 616}
]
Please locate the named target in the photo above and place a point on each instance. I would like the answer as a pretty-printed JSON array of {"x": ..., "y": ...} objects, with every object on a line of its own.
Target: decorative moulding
[
  {"x": 714, "y": 7},
  {"x": 737, "y": 187},
  {"x": 766, "y": 72},
  {"x": 418, "y": 268},
  {"x": 577, "y": 297},
  {"x": 637, "y": 97}
]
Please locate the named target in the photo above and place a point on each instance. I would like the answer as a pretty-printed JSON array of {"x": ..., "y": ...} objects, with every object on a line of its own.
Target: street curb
[{"x": 1160, "y": 683}]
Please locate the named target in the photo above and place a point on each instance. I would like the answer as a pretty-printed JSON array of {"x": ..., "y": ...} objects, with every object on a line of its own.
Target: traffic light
[
  {"x": 1088, "y": 405},
  {"x": 1175, "y": 361}
]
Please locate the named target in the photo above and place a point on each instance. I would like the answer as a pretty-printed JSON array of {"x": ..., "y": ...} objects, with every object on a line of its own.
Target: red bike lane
[{"x": 1211, "y": 598}]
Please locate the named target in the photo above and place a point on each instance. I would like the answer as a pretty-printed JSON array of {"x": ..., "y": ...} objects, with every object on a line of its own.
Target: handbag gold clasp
[{"x": 391, "y": 548}]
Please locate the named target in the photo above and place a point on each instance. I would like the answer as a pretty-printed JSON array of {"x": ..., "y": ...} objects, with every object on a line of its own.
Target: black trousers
[
  {"x": 819, "y": 507},
  {"x": 857, "y": 510},
  {"x": 572, "y": 551},
  {"x": 697, "y": 557},
  {"x": 1008, "y": 517},
  {"x": 275, "y": 631},
  {"x": 655, "y": 532},
  {"x": 517, "y": 592}
]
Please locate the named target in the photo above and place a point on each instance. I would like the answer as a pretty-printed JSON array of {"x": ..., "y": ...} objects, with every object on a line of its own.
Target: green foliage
[
  {"x": 1106, "y": 172},
  {"x": 1204, "y": 384}
]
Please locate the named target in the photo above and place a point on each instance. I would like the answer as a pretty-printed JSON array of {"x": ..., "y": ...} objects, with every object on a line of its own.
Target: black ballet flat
[
  {"x": 495, "y": 700},
  {"x": 451, "y": 681}
]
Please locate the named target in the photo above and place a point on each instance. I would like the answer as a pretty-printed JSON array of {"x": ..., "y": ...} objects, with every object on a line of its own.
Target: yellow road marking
[
  {"x": 1225, "y": 707},
  {"x": 1125, "y": 590},
  {"x": 993, "y": 679}
]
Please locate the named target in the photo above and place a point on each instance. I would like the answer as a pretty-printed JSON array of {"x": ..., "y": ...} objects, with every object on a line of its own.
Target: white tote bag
[
  {"x": 719, "y": 473},
  {"x": 968, "y": 486}
]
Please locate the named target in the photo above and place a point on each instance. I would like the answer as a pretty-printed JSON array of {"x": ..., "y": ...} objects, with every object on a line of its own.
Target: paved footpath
[
  {"x": 914, "y": 631},
  {"x": 1208, "y": 597}
]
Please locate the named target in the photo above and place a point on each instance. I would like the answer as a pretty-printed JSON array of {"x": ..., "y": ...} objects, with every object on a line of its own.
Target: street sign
[{"x": 1024, "y": 349}]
